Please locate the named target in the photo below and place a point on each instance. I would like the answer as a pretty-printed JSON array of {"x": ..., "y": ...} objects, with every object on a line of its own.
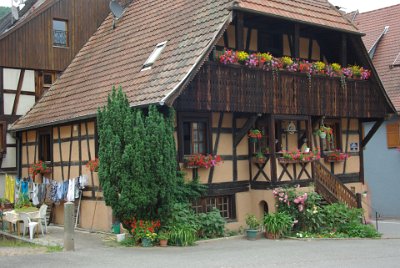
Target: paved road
[
  {"x": 227, "y": 253},
  {"x": 91, "y": 251}
]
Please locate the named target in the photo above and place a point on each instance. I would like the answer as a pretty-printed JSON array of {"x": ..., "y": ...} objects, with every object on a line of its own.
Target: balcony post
[
  {"x": 239, "y": 31},
  {"x": 273, "y": 147},
  {"x": 343, "y": 52},
  {"x": 297, "y": 40}
]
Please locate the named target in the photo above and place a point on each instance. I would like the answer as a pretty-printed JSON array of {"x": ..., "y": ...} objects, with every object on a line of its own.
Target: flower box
[
  {"x": 259, "y": 160},
  {"x": 335, "y": 157},
  {"x": 201, "y": 161},
  {"x": 293, "y": 161}
]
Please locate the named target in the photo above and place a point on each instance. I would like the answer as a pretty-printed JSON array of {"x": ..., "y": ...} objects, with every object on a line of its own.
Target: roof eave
[{"x": 238, "y": 8}]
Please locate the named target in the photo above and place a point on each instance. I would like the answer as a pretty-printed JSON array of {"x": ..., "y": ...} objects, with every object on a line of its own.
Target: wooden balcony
[{"x": 236, "y": 88}]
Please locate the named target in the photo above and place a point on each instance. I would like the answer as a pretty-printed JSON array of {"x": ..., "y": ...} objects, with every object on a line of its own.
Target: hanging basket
[{"x": 322, "y": 135}]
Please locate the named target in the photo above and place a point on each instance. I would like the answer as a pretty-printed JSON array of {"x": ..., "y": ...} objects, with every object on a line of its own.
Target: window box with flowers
[
  {"x": 335, "y": 156},
  {"x": 202, "y": 161},
  {"x": 255, "y": 135},
  {"x": 259, "y": 158},
  {"x": 39, "y": 168},
  {"x": 298, "y": 156}
]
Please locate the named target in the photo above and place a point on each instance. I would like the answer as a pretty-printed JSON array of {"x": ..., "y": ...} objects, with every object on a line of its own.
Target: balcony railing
[{"x": 236, "y": 88}]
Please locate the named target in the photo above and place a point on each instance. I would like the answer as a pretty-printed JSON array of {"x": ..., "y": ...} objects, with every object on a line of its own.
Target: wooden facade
[
  {"x": 30, "y": 62},
  {"x": 30, "y": 44}
]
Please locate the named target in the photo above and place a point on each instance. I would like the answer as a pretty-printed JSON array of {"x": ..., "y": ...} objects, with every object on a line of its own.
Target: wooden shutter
[{"x": 393, "y": 135}]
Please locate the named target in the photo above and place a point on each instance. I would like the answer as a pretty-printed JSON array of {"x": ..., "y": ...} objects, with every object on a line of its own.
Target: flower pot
[
  {"x": 146, "y": 242},
  {"x": 163, "y": 242},
  {"x": 322, "y": 135},
  {"x": 251, "y": 234},
  {"x": 269, "y": 235}
]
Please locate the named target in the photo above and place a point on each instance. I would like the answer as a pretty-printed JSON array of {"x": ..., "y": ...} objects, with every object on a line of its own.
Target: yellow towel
[{"x": 10, "y": 188}]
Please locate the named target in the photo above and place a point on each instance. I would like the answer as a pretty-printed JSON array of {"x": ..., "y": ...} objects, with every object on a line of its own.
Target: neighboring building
[
  {"x": 34, "y": 50},
  {"x": 382, "y": 160},
  {"x": 216, "y": 104}
]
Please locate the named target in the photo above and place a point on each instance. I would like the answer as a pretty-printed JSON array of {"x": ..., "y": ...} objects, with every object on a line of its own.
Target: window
[
  {"x": 194, "y": 134},
  {"x": 154, "y": 56},
  {"x": 336, "y": 141},
  {"x": 45, "y": 152},
  {"x": 60, "y": 33},
  {"x": 393, "y": 135},
  {"x": 3, "y": 133},
  {"x": 271, "y": 42},
  {"x": 225, "y": 204}
]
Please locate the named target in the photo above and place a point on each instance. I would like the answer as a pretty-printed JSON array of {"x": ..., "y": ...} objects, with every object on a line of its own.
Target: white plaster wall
[
  {"x": 8, "y": 103},
  {"x": 29, "y": 81},
  {"x": 11, "y": 77},
  {"x": 25, "y": 103},
  {"x": 10, "y": 139},
  {"x": 9, "y": 161}
]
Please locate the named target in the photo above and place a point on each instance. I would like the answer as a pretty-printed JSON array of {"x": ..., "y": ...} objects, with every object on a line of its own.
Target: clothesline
[{"x": 49, "y": 191}]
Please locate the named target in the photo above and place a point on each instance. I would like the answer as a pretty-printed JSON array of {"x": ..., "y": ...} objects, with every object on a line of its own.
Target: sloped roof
[
  {"x": 388, "y": 49},
  {"x": 317, "y": 12},
  {"x": 115, "y": 56}
]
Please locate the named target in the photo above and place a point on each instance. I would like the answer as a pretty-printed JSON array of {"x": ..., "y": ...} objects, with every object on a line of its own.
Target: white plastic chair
[
  {"x": 42, "y": 213},
  {"x": 28, "y": 224}
]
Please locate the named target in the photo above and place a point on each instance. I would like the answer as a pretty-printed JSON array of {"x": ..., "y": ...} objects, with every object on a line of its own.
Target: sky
[{"x": 348, "y": 5}]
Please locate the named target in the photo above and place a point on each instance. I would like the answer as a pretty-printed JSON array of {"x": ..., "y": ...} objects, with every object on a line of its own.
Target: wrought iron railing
[
  {"x": 331, "y": 188},
  {"x": 60, "y": 38}
]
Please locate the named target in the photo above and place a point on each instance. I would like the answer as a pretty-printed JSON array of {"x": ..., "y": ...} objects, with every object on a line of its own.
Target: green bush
[
  {"x": 338, "y": 214},
  {"x": 278, "y": 223},
  {"x": 211, "y": 224},
  {"x": 360, "y": 230}
]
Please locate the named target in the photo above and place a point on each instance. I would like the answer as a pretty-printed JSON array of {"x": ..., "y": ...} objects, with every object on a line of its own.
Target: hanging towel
[
  {"x": 25, "y": 188},
  {"x": 71, "y": 190},
  {"x": 35, "y": 191},
  {"x": 10, "y": 188}
]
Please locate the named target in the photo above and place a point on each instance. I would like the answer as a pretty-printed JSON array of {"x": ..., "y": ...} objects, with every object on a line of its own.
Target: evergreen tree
[{"x": 138, "y": 165}]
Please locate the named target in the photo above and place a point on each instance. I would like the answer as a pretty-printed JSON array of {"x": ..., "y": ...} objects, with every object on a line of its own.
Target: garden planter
[
  {"x": 146, "y": 242},
  {"x": 269, "y": 235},
  {"x": 251, "y": 234},
  {"x": 260, "y": 160},
  {"x": 163, "y": 242}
]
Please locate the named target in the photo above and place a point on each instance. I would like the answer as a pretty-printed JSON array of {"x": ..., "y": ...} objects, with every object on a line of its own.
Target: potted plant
[
  {"x": 147, "y": 238},
  {"x": 93, "y": 165},
  {"x": 335, "y": 156},
  {"x": 260, "y": 158},
  {"x": 324, "y": 132},
  {"x": 252, "y": 223},
  {"x": 255, "y": 135},
  {"x": 277, "y": 224},
  {"x": 163, "y": 237},
  {"x": 39, "y": 168}
]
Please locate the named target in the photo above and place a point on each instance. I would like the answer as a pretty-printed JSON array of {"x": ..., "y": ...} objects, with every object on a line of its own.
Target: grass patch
[
  {"x": 5, "y": 242},
  {"x": 52, "y": 249},
  {"x": 26, "y": 209}
]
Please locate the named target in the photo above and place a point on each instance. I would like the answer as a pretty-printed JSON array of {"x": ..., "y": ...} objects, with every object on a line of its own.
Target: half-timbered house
[
  {"x": 36, "y": 45},
  {"x": 166, "y": 53}
]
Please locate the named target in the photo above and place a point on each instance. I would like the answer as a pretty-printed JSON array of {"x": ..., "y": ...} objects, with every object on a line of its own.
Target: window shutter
[{"x": 393, "y": 135}]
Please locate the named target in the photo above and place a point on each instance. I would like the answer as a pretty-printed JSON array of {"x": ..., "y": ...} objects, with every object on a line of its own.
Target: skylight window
[{"x": 154, "y": 55}]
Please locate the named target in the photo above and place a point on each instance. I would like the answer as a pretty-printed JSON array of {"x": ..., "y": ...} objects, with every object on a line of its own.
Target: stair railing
[{"x": 331, "y": 188}]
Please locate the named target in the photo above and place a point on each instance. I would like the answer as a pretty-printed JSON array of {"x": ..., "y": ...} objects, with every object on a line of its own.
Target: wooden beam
[
  {"x": 90, "y": 156},
  {"x": 80, "y": 148},
  {"x": 215, "y": 148},
  {"x": 273, "y": 148},
  {"x": 18, "y": 93},
  {"x": 296, "y": 40},
  {"x": 248, "y": 39},
  {"x": 238, "y": 136},
  {"x": 371, "y": 133},
  {"x": 59, "y": 146},
  {"x": 310, "y": 48},
  {"x": 361, "y": 155},
  {"x": 1, "y": 92},
  {"x": 70, "y": 151},
  {"x": 343, "y": 50},
  {"x": 226, "y": 39},
  {"x": 234, "y": 153},
  {"x": 347, "y": 144},
  {"x": 239, "y": 31}
]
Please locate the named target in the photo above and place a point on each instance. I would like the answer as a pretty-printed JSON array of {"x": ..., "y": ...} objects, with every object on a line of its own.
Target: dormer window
[{"x": 154, "y": 55}]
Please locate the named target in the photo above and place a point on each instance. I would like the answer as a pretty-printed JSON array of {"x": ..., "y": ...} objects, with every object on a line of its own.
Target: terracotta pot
[
  {"x": 269, "y": 235},
  {"x": 163, "y": 242}
]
